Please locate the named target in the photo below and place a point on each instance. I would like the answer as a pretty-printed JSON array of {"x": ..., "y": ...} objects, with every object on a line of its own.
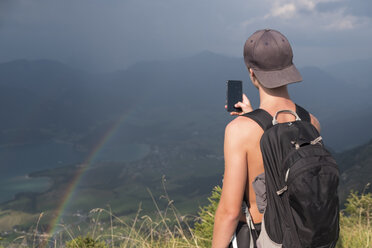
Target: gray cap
[{"x": 268, "y": 53}]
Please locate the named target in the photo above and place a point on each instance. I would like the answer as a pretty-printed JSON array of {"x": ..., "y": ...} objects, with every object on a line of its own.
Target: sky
[{"x": 108, "y": 35}]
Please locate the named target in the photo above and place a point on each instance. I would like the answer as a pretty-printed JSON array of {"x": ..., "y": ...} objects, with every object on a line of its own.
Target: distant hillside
[
  {"x": 50, "y": 95},
  {"x": 355, "y": 169},
  {"x": 357, "y": 73}
]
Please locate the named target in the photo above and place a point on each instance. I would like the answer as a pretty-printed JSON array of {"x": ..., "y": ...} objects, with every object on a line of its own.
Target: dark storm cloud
[
  {"x": 4, "y": 4},
  {"x": 112, "y": 34},
  {"x": 5, "y": 7}
]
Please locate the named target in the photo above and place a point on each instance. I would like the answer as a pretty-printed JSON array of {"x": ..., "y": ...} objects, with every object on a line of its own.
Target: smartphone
[{"x": 234, "y": 95}]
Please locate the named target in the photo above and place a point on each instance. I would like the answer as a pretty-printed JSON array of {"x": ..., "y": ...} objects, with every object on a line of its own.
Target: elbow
[{"x": 228, "y": 214}]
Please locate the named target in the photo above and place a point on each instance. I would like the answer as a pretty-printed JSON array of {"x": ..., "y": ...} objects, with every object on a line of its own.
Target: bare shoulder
[
  {"x": 241, "y": 123},
  {"x": 315, "y": 122},
  {"x": 242, "y": 128}
]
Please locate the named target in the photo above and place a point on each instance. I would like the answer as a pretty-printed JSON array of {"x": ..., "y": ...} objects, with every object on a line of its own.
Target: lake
[{"x": 18, "y": 161}]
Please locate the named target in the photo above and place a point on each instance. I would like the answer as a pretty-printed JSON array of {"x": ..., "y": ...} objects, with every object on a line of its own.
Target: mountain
[
  {"x": 51, "y": 95},
  {"x": 355, "y": 169},
  {"x": 356, "y": 73},
  {"x": 46, "y": 94},
  {"x": 343, "y": 110},
  {"x": 43, "y": 77}
]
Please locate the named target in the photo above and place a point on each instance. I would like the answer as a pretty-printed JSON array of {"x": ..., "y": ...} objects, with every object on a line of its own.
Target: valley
[{"x": 72, "y": 141}]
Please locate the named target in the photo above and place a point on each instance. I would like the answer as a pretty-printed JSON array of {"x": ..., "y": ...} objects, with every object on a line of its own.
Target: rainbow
[{"x": 67, "y": 196}]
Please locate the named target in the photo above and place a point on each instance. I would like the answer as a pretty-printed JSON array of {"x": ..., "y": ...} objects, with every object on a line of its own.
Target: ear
[{"x": 251, "y": 72}]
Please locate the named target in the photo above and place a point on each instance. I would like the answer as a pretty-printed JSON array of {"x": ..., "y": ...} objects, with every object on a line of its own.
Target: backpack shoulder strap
[
  {"x": 263, "y": 118},
  {"x": 303, "y": 114}
]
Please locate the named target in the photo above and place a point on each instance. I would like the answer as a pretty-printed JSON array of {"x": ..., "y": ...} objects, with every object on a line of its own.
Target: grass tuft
[{"x": 169, "y": 229}]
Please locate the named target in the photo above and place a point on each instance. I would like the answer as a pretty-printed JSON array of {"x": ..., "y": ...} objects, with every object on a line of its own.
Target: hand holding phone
[
  {"x": 238, "y": 102},
  {"x": 234, "y": 95}
]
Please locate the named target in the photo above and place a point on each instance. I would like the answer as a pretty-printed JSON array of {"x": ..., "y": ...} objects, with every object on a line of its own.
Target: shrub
[
  {"x": 204, "y": 227},
  {"x": 86, "y": 242},
  {"x": 355, "y": 221}
]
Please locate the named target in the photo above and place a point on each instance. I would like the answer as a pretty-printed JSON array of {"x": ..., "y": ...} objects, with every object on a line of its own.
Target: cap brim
[{"x": 273, "y": 79}]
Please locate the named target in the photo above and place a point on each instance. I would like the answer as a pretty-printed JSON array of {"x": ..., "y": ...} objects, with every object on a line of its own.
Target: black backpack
[{"x": 301, "y": 179}]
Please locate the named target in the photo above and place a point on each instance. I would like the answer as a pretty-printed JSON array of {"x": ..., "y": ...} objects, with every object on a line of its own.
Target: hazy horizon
[{"x": 108, "y": 70}]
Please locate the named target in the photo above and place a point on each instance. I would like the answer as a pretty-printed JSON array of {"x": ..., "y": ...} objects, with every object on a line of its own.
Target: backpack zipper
[{"x": 309, "y": 167}]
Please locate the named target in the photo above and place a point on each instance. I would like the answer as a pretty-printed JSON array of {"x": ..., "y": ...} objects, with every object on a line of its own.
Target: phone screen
[{"x": 234, "y": 95}]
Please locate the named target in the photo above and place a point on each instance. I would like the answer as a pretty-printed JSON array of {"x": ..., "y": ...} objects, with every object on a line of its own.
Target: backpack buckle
[
  {"x": 281, "y": 191},
  {"x": 316, "y": 141},
  {"x": 275, "y": 121}
]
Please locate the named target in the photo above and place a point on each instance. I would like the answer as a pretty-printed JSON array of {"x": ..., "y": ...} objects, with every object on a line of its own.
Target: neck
[{"x": 270, "y": 98}]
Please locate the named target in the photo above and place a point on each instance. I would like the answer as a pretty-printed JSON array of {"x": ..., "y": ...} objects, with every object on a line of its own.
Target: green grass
[
  {"x": 170, "y": 228},
  {"x": 356, "y": 221},
  {"x": 11, "y": 218}
]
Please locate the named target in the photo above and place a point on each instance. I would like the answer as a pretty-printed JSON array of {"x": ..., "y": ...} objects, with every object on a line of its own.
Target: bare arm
[
  {"x": 229, "y": 207},
  {"x": 315, "y": 122}
]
